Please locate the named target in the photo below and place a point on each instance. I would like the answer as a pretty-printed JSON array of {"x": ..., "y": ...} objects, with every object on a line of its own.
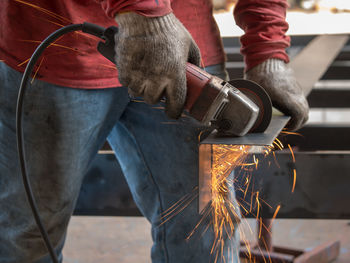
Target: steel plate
[{"x": 258, "y": 139}]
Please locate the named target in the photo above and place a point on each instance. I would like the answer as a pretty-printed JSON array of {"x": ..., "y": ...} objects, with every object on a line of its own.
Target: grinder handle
[{"x": 197, "y": 79}]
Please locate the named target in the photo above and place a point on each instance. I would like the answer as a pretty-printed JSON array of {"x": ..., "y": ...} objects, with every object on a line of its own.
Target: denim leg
[
  {"x": 64, "y": 129},
  {"x": 159, "y": 158}
]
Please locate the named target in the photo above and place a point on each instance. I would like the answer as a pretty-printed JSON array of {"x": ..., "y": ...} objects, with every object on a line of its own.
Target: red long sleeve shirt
[
  {"x": 264, "y": 24},
  {"x": 73, "y": 61}
]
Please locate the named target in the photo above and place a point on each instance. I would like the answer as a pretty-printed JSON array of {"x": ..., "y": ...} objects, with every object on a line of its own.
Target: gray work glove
[
  {"x": 286, "y": 94},
  {"x": 151, "y": 56}
]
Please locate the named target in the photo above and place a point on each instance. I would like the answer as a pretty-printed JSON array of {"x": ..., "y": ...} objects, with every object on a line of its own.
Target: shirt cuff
[{"x": 149, "y": 8}]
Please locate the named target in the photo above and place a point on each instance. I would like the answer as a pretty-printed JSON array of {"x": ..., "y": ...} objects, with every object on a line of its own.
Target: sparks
[
  {"x": 274, "y": 216},
  {"x": 224, "y": 211},
  {"x": 36, "y": 72},
  {"x": 294, "y": 179},
  {"x": 292, "y": 153},
  {"x": 43, "y": 10}
]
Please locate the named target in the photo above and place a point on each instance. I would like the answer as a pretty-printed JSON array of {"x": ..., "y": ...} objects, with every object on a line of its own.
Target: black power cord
[{"x": 91, "y": 29}]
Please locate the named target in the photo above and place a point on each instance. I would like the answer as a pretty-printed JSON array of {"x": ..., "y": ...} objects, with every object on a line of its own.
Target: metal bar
[
  {"x": 334, "y": 72},
  {"x": 322, "y": 137},
  {"x": 322, "y": 51},
  {"x": 316, "y": 174},
  {"x": 105, "y": 191},
  {"x": 205, "y": 162},
  {"x": 329, "y": 98},
  {"x": 256, "y": 255},
  {"x": 323, "y": 254},
  {"x": 313, "y": 61},
  {"x": 287, "y": 250}
]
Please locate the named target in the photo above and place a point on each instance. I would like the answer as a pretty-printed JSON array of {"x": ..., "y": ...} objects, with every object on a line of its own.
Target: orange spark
[
  {"x": 266, "y": 203},
  {"x": 224, "y": 217},
  {"x": 266, "y": 248},
  {"x": 178, "y": 203},
  {"x": 294, "y": 179},
  {"x": 177, "y": 211},
  {"x": 275, "y": 159},
  {"x": 291, "y": 151},
  {"x": 260, "y": 227},
  {"x": 278, "y": 145},
  {"x": 291, "y": 133},
  {"x": 46, "y": 11},
  {"x": 20, "y": 64},
  {"x": 274, "y": 216},
  {"x": 223, "y": 212},
  {"x": 279, "y": 142},
  {"x": 258, "y": 203},
  {"x": 50, "y": 21},
  {"x": 54, "y": 44},
  {"x": 36, "y": 72},
  {"x": 135, "y": 100},
  {"x": 262, "y": 254}
]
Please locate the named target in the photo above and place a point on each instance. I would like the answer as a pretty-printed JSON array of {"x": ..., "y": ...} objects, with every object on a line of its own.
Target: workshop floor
[{"x": 127, "y": 239}]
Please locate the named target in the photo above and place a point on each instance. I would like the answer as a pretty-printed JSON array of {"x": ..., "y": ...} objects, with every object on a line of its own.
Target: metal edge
[{"x": 266, "y": 138}]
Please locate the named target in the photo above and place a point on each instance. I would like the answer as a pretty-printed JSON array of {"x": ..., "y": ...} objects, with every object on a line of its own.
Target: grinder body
[
  {"x": 215, "y": 102},
  {"x": 234, "y": 108}
]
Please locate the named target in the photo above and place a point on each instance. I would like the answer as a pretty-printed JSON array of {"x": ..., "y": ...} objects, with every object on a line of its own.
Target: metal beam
[
  {"x": 321, "y": 187},
  {"x": 311, "y": 58},
  {"x": 322, "y": 137},
  {"x": 329, "y": 98},
  {"x": 314, "y": 60}
]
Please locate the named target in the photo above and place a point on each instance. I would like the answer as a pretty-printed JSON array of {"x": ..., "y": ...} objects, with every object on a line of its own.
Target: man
[{"x": 73, "y": 106}]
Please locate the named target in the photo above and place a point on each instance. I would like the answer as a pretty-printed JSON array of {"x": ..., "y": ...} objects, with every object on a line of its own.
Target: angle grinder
[{"x": 234, "y": 108}]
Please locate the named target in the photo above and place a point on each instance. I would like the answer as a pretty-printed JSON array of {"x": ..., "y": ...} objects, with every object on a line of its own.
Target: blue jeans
[{"x": 63, "y": 129}]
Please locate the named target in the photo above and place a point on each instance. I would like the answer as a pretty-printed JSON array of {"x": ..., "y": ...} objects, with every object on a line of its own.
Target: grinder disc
[{"x": 259, "y": 96}]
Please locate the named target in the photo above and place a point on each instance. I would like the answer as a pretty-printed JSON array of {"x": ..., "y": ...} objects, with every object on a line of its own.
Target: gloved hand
[
  {"x": 279, "y": 82},
  {"x": 151, "y": 56}
]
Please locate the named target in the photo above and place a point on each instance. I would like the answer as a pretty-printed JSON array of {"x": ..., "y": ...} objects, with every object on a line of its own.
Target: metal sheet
[
  {"x": 261, "y": 139},
  {"x": 205, "y": 153}
]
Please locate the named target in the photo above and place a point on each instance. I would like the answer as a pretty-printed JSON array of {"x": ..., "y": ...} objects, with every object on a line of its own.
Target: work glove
[
  {"x": 151, "y": 56},
  {"x": 286, "y": 94}
]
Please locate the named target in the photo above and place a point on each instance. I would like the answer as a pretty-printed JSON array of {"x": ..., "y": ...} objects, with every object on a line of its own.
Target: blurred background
[
  {"x": 304, "y": 17},
  {"x": 303, "y": 5}
]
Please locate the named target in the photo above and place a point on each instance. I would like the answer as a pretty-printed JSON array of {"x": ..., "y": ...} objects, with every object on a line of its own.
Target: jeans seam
[{"x": 158, "y": 194}]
